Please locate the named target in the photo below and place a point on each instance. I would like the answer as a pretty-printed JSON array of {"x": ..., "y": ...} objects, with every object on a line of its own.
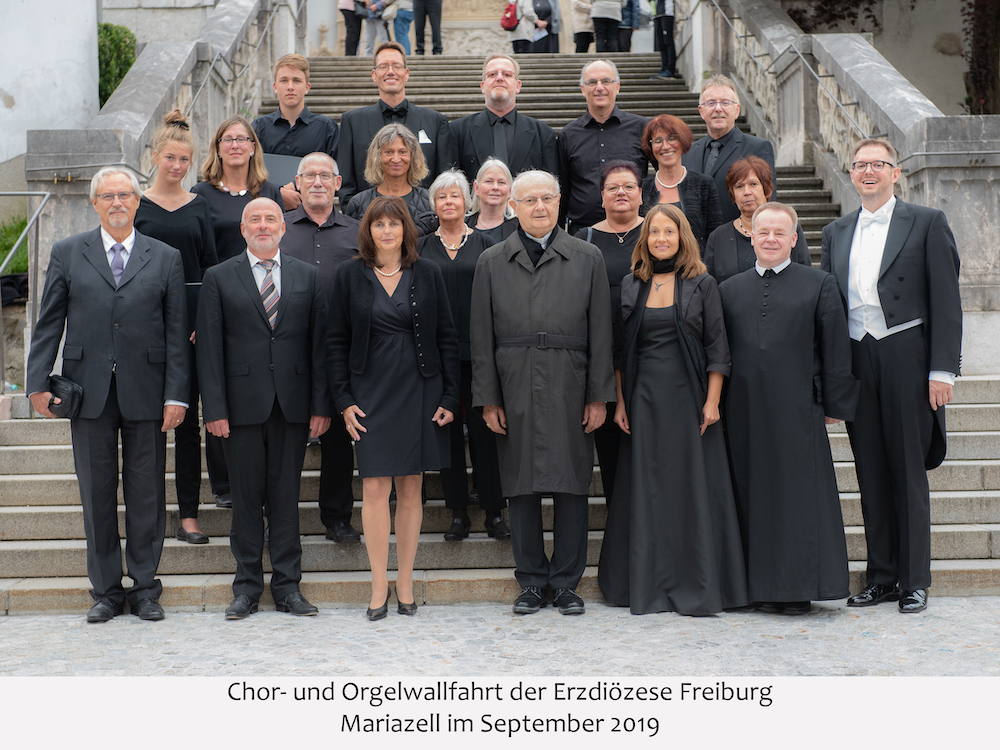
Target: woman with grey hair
[
  {"x": 456, "y": 248},
  {"x": 491, "y": 212},
  {"x": 395, "y": 166}
]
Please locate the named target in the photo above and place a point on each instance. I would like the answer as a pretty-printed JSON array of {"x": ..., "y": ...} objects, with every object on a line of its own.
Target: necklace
[
  {"x": 662, "y": 184},
  {"x": 742, "y": 228},
  {"x": 466, "y": 233},
  {"x": 239, "y": 193},
  {"x": 388, "y": 275},
  {"x": 621, "y": 237}
]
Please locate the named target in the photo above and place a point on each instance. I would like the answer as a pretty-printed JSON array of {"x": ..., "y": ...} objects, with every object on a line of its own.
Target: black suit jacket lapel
[
  {"x": 245, "y": 275},
  {"x": 525, "y": 136},
  {"x": 842, "y": 240},
  {"x": 95, "y": 253},
  {"x": 482, "y": 139},
  {"x": 735, "y": 142},
  {"x": 288, "y": 280},
  {"x": 138, "y": 258},
  {"x": 899, "y": 230}
]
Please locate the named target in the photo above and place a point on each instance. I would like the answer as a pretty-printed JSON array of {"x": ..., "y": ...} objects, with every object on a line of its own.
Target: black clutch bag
[{"x": 70, "y": 395}]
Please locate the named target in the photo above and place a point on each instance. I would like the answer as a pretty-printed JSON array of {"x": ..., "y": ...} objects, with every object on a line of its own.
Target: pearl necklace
[
  {"x": 388, "y": 275},
  {"x": 665, "y": 186},
  {"x": 466, "y": 233},
  {"x": 742, "y": 228}
]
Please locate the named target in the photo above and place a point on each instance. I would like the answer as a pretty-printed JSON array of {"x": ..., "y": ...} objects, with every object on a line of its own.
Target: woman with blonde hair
[
  {"x": 168, "y": 212},
  {"x": 672, "y": 541},
  {"x": 490, "y": 211}
]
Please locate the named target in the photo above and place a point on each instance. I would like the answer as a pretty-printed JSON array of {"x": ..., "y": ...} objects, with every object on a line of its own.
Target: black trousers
[
  {"x": 483, "y": 449},
  {"x": 430, "y": 10},
  {"x": 144, "y": 459},
  {"x": 890, "y": 436},
  {"x": 606, "y": 34},
  {"x": 352, "y": 29},
  {"x": 569, "y": 541},
  {"x": 624, "y": 39},
  {"x": 607, "y": 440},
  {"x": 663, "y": 36},
  {"x": 187, "y": 452},
  {"x": 583, "y": 40},
  {"x": 521, "y": 46},
  {"x": 266, "y": 461},
  {"x": 336, "y": 495}
]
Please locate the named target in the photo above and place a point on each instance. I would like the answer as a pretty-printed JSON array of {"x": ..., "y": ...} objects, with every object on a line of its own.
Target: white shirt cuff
[
  {"x": 942, "y": 377},
  {"x": 171, "y": 402}
]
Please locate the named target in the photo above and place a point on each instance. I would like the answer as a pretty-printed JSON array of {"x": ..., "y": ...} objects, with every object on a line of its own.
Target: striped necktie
[{"x": 269, "y": 293}]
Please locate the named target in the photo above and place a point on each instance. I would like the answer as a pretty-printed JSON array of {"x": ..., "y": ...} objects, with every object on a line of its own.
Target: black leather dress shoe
[
  {"x": 568, "y": 601},
  {"x": 225, "y": 500},
  {"x": 770, "y": 608},
  {"x": 874, "y": 593},
  {"x": 342, "y": 531},
  {"x": 103, "y": 610},
  {"x": 191, "y": 537},
  {"x": 381, "y": 612},
  {"x": 405, "y": 609},
  {"x": 296, "y": 604},
  {"x": 459, "y": 530},
  {"x": 148, "y": 609},
  {"x": 497, "y": 528},
  {"x": 242, "y": 607},
  {"x": 796, "y": 608},
  {"x": 530, "y": 600},
  {"x": 913, "y": 601}
]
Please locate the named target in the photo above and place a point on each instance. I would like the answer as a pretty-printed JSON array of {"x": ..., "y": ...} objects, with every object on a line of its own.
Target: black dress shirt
[
  {"x": 723, "y": 142},
  {"x": 324, "y": 246},
  {"x": 310, "y": 133},
  {"x": 585, "y": 147},
  {"x": 510, "y": 120}
]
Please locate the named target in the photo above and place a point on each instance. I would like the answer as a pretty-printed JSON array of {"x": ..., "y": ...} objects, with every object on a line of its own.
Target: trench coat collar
[{"x": 558, "y": 243}]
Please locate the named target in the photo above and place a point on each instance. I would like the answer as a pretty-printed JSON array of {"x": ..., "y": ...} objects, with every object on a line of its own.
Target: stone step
[
  {"x": 950, "y": 476},
  {"x": 961, "y": 446},
  {"x": 52, "y": 522},
  {"x": 67, "y": 557}
]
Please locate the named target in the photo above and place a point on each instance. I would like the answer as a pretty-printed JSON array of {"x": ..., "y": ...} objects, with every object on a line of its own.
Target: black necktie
[
  {"x": 500, "y": 139},
  {"x": 713, "y": 155}
]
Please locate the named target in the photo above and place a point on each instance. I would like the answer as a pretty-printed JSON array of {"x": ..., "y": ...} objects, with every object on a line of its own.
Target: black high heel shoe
[
  {"x": 406, "y": 609},
  {"x": 381, "y": 612}
]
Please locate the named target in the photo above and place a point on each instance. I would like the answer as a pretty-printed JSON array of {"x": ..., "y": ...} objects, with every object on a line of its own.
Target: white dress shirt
[{"x": 259, "y": 272}]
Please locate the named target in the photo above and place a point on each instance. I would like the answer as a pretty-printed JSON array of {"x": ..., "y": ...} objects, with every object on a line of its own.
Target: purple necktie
[
  {"x": 117, "y": 262},
  {"x": 269, "y": 293}
]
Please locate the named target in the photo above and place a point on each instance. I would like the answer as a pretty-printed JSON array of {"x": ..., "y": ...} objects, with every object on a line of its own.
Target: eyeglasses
[
  {"x": 531, "y": 200},
  {"x": 110, "y": 197},
  {"x": 670, "y": 140},
  {"x": 313, "y": 176},
  {"x": 628, "y": 187},
  {"x": 724, "y": 103},
  {"x": 877, "y": 166},
  {"x": 240, "y": 139},
  {"x": 592, "y": 82},
  {"x": 397, "y": 67}
]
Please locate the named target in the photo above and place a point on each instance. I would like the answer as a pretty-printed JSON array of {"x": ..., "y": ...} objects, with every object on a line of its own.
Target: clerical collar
[
  {"x": 777, "y": 269},
  {"x": 883, "y": 212},
  {"x": 543, "y": 241}
]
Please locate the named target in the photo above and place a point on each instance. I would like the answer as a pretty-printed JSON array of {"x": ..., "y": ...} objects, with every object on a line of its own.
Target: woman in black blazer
[
  {"x": 393, "y": 354},
  {"x": 729, "y": 250},
  {"x": 665, "y": 139}
]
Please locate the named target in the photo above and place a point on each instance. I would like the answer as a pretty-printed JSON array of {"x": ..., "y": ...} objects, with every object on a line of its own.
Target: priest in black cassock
[{"x": 791, "y": 377}]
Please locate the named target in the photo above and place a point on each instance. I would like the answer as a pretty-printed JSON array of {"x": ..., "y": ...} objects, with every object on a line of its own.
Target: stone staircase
[{"x": 42, "y": 548}]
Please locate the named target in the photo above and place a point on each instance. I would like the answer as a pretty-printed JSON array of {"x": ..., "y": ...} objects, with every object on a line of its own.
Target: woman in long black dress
[
  {"x": 456, "y": 248},
  {"x": 672, "y": 540},
  {"x": 394, "y": 378},
  {"x": 615, "y": 236},
  {"x": 170, "y": 213}
]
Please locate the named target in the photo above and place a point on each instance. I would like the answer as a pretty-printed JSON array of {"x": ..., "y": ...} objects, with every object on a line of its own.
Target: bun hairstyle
[{"x": 175, "y": 127}]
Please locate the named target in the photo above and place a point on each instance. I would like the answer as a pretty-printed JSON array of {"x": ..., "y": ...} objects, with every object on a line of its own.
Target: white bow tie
[{"x": 875, "y": 218}]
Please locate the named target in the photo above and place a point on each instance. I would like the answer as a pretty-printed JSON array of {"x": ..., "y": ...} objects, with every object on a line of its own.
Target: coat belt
[{"x": 544, "y": 340}]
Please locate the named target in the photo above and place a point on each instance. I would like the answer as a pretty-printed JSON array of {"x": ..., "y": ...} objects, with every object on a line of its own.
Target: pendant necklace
[
  {"x": 665, "y": 186},
  {"x": 656, "y": 287},
  {"x": 388, "y": 275},
  {"x": 466, "y": 233},
  {"x": 239, "y": 193}
]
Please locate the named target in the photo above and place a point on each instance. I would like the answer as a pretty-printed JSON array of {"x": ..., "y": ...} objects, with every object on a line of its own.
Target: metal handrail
[{"x": 32, "y": 223}]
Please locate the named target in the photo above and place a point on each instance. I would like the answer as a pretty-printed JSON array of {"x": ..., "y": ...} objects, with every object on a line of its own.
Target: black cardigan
[
  {"x": 350, "y": 326},
  {"x": 699, "y": 202}
]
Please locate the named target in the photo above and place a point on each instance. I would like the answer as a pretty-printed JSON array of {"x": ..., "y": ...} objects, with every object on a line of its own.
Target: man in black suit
[
  {"x": 897, "y": 268},
  {"x": 719, "y": 106},
  {"x": 521, "y": 142},
  {"x": 359, "y": 126},
  {"x": 120, "y": 297},
  {"x": 261, "y": 365},
  {"x": 317, "y": 233}
]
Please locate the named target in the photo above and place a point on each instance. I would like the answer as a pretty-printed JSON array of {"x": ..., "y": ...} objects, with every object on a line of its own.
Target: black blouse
[
  {"x": 617, "y": 255},
  {"x": 227, "y": 211}
]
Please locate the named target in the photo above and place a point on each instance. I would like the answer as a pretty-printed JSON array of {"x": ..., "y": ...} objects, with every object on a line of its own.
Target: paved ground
[{"x": 956, "y": 636}]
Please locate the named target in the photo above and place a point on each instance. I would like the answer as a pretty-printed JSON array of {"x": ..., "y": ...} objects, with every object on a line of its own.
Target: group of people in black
[{"x": 672, "y": 319}]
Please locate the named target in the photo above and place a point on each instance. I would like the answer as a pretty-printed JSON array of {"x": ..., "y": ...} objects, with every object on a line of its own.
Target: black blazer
[
  {"x": 740, "y": 144},
  {"x": 534, "y": 145},
  {"x": 359, "y": 126},
  {"x": 699, "y": 202},
  {"x": 242, "y": 364},
  {"x": 138, "y": 331},
  {"x": 720, "y": 253},
  {"x": 350, "y": 326}
]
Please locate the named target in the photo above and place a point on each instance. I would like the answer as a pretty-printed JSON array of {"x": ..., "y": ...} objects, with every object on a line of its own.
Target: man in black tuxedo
[
  {"x": 120, "y": 296},
  {"x": 521, "y": 142},
  {"x": 719, "y": 106},
  {"x": 897, "y": 268},
  {"x": 317, "y": 233},
  {"x": 359, "y": 126},
  {"x": 261, "y": 365}
]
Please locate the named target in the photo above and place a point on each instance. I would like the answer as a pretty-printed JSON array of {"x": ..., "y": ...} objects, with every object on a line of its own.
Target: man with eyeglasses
[
  {"x": 324, "y": 237},
  {"x": 120, "y": 297},
  {"x": 359, "y": 126},
  {"x": 293, "y": 130},
  {"x": 897, "y": 267},
  {"x": 603, "y": 135},
  {"x": 541, "y": 373},
  {"x": 719, "y": 107},
  {"x": 500, "y": 131}
]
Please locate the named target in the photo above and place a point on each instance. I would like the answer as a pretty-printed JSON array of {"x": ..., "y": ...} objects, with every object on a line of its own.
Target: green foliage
[
  {"x": 9, "y": 232},
  {"x": 115, "y": 55}
]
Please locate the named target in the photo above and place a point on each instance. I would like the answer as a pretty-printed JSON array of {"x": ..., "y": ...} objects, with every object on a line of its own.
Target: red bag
[{"x": 509, "y": 20}]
